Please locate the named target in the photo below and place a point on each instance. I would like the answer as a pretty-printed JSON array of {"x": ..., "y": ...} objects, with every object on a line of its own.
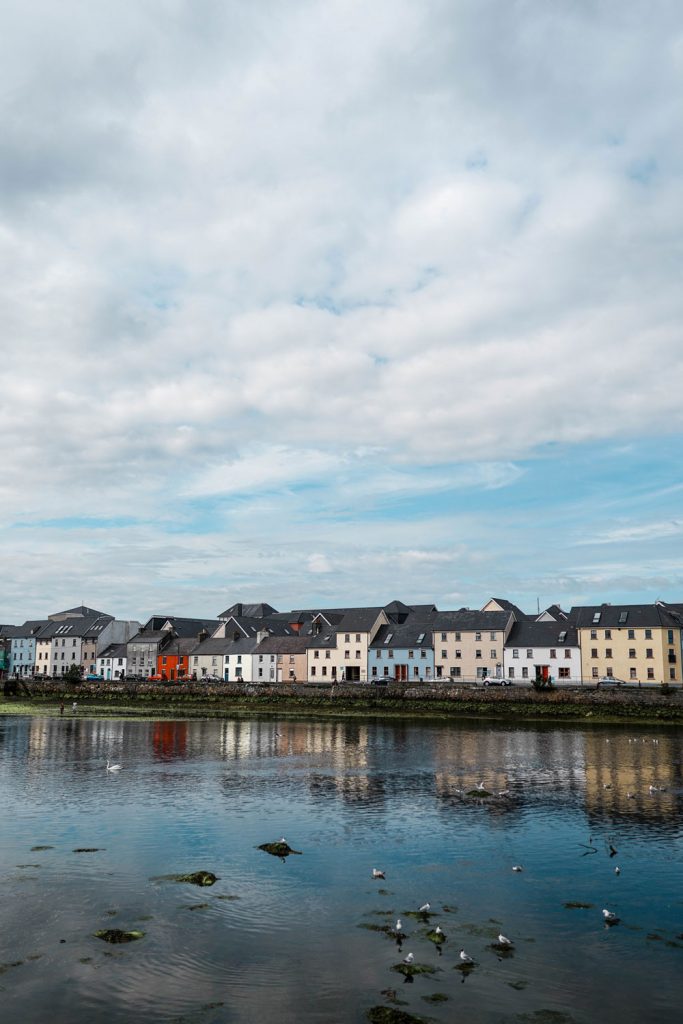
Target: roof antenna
[{"x": 538, "y": 605}]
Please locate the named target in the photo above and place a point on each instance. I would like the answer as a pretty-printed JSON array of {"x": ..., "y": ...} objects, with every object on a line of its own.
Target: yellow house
[{"x": 631, "y": 642}]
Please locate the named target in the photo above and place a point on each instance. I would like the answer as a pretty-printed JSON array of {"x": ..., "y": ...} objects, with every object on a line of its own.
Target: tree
[{"x": 74, "y": 673}]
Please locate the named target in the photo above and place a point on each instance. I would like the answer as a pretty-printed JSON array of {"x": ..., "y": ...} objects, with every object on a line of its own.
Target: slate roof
[
  {"x": 286, "y": 645},
  {"x": 250, "y": 611},
  {"x": 114, "y": 651},
  {"x": 624, "y": 616},
  {"x": 557, "y": 613},
  {"x": 508, "y": 606},
  {"x": 405, "y": 635},
  {"x": 80, "y": 611},
  {"x": 467, "y": 620},
  {"x": 542, "y": 634},
  {"x": 88, "y": 626},
  {"x": 251, "y": 625}
]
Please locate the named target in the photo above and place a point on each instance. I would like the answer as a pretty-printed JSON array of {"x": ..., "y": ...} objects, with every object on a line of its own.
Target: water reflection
[{"x": 352, "y": 795}]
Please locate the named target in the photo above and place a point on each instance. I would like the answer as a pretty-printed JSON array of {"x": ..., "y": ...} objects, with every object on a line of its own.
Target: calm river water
[{"x": 288, "y": 941}]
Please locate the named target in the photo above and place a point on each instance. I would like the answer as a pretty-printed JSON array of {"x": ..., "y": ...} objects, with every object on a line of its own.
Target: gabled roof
[
  {"x": 285, "y": 645},
  {"x": 79, "y": 612},
  {"x": 508, "y": 606},
  {"x": 542, "y": 634},
  {"x": 114, "y": 651},
  {"x": 624, "y": 616},
  {"x": 251, "y": 625},
  {"x": 90, "y": 626},
  {"x": 553, "y": 611}
]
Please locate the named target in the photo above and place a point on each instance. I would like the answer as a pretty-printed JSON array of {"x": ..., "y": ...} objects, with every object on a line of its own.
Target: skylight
[
  {"x": 420, "y": 638},
  {"x": 622, "y": 618},
  {"x": 596, "y": 617},
  {"x": 562, "y": 637},
  {"x": 388, "y": 637}
]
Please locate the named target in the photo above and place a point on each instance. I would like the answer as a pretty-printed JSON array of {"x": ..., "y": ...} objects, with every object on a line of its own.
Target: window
[
  {"x": 313, "y": 670},
  {"x": 260, "y": 658},
  {"x": 632, "y": 673},
  {"x": 672, "y": 673},
  {"x": 648, "y": 653},
  {"x": 163, "y": 661},
  {"x": 567, "y": 653},
  {"x": 564, "y": 673},
  {"x": 423, "y": 654},
  {"x": 481, "y": 672},
  {"x": 458, "y": 638},
  {"x": 347, "y": 637},
  {"x": 648, "y": 634},
  {"x": 455, "y": 671},
  {"x": 515, "y": 652},
  {"x": 357, "y": 654},
  {"x": 239, "y": 659},
  {"x": 596, "y": 617},
  {"x": 594, "y": 672},
  {"x": 388, "y": 637},
  {"x": 411, "y": 654},
  {"x": 622, "y": 618},
  {"x": 477, "y": 654},
  {"x": 492, "y": 636},
  {"x": 553, "y": 652},
  {"x": 260, "y": 673},
  {"x": 316, "y": 654},
  {"x": 525, "y": 672},
  {"x": 324, "y": 670},
  {"x": 477, "y": 637},
  {"x": 608, "y": 672},
  {"x": 529, "y": 652},
  {"x": 291, "y": 658},
  {"x": 594, "y": 652},
  {"x": 347, "y": 654},
  {"x": 327, "y": 655},
  {"x": 444, "y": 636},
  {"x": 493, "y": 653},
  {"x": 357, "y": 638},
  {"x": 458, "y": 652},
  {"x": 594, "y": 634},
  {"x": 562, "y": 637},
  {"x": 650, "y": 673},
  {"x": 631, "y": 634},
  {"x": 511, "y": 673},
  {"x": 386, "y": 670},
  {"x": 608, "y": 652},
  {"x": 608, "y": 634},
  {"x": 670, "y": 635},
  {"x": 631, "y": 652},
  {"x": 390, "y": 654},
  {"x": 444, "y": 654},
  {"x": 374, "y": 671},
  {"x": 420, "y": 638},
  {"x": 416, "y": 672}
]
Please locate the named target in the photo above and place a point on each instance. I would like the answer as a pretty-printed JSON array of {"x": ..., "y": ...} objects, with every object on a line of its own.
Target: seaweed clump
[
  {"x": 196, "y": 878},
  {"x": 278, "y": 849},
  {"x": 410, "y": 970},
  {"x": 117, "y": 935},
  {"x": 438, "y": 938},
  {"x": 390, "y": 1015}
]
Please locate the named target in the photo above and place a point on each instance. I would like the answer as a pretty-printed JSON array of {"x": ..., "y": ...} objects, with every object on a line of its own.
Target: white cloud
[{"x": 243, "y": 246}]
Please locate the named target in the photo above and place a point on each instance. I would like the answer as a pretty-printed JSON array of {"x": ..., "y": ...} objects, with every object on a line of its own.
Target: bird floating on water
[
  {"x": 610, "y": 917},
  {"x": 409, "y": 959},
  {"x": 398, "y": 926},
  {"x": 113, "y": 767},
  {"x": 465, "y": 958},
  {"x": 376, "y": 873},
  {"x": 517, "y": 867},
  {"x": 424, "y": 908},
  {"x": 504, "y": 941},
  {"x": 617, "y": 870}
]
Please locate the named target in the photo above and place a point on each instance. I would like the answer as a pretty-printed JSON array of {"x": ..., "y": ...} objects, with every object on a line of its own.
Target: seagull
[
  {"x": 376, "y": 873},
  {"x": 504, "y": 792},
  {"x": 465, "y": 958},
  {"x": 424, "y": 908},
  {"x": 437, "y": 930},
  {"x": 409, "y": 959},
  {"x": 282, "y": 840},
  {"x": 617, "y": 870},
  {"x": 610, "y": 917},
  {"x": 504, "y": 941},
  {"x": 113, "y": 767},
  {"x": 398, "y": 926},
  {"x": 517, "y": 867},
  {"x": 630, "y": 796},
  {"x": 480, "y": 785}
]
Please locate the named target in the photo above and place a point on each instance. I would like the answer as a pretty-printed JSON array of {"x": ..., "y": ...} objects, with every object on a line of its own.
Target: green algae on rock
[
  {"x": 88, "y": 849},
  {"x": 390, "y": 1015},
  {"x": 576, "y": 905},
  {"x": 117, "y": 935},
  {"x": 195, "y": 878},
  {"x": 410, "y": 970},
  {"x": 436, "y": 997},
  {"x": 438, "y": 938},
  {"x": 278, "y": 849},
  {"x": 38, "y": 849}
]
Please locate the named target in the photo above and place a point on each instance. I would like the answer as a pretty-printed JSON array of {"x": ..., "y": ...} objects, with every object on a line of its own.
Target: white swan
[{"x": 113, "y": 767}]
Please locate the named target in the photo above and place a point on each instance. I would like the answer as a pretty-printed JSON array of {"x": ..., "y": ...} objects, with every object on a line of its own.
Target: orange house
[{"x": 173, "y": 663}]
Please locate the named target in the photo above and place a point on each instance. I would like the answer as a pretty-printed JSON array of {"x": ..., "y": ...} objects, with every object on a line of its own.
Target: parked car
[
  {"x": 610, "y": 681},
  {"x": 93, "y": 677},
  {"x": 496, "y": 681}
]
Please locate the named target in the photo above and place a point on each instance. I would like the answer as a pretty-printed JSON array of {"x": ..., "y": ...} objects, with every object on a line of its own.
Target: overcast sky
[{"x": 332, "y": 302}]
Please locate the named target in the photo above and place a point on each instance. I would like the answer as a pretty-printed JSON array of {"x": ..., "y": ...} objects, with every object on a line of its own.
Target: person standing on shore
[
  {"x": 61, "y": 708},
  {"x": 74, "y": 706}
]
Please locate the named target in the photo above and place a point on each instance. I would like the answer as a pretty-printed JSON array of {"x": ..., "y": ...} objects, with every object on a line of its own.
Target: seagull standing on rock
[
  {"x": 409, "y": 959},
  {"x": 610, "y": 917},
  {"x": 424, "y": 908},
  {"x": 376, "y": 873},
  {"x": 465, "y": 958},
  {"x": 504, "y": 941},
  {"x": 398, "y": 926}
]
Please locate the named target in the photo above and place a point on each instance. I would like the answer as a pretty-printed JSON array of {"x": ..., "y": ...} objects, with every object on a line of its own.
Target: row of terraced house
[{"x": 255, "y": 643}]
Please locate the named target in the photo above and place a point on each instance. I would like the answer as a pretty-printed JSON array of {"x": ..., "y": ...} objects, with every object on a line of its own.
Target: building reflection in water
[{"x": 621, "y": 768}]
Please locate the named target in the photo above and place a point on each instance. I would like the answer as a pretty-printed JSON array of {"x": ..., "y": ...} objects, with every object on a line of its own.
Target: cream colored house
[
  {"x": 469, "y": 645},
  {"x": 339, "y": 640}
]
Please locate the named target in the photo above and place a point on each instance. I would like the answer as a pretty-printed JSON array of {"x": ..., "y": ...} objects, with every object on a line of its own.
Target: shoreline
[{"x": 143, "y": 701}]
